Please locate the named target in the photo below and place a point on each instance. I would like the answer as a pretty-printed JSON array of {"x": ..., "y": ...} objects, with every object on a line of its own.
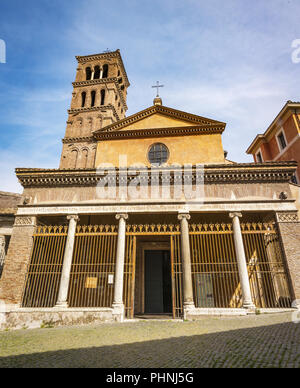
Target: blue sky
[{"x": 227, "y": 60}]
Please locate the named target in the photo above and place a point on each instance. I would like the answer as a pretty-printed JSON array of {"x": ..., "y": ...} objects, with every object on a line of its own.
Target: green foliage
[{"x": 48, "y": 324}]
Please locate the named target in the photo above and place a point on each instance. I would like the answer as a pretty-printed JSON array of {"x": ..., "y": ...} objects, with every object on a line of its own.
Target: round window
[{"x": 158, "y": 154}]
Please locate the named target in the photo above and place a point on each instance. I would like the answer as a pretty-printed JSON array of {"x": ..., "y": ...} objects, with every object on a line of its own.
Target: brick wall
[
  {"x": 16, "y": 263},
  {"x": 290, "y": 236}
]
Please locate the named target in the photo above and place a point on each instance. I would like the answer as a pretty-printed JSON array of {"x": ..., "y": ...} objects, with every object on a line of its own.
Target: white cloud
[{"x": 230, "y": 61}]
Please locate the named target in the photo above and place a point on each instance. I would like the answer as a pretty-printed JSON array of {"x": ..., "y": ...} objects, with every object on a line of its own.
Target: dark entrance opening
[{"x": 158, "y": 283}]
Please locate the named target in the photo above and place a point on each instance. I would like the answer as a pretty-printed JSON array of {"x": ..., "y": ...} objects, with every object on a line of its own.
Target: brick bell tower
[{"x": 98, "y": 99}]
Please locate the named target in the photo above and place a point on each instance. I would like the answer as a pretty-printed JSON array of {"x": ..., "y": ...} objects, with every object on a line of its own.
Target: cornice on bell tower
[{"x": 99, "y": 99}]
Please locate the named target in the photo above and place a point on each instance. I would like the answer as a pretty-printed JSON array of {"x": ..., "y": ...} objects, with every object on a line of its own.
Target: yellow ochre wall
[{"x": 204, "y": 149}]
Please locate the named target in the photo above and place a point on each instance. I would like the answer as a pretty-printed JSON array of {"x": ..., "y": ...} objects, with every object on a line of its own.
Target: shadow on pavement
[{"x": 265, "y": 346}]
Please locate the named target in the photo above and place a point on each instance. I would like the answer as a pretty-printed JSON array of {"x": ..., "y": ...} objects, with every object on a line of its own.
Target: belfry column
[
  {"x": 241, "y": 260},
  {"x": 118, "y": 305},
  {"x": 188, "y": 297},
  {"x": 67, "y": 264}
]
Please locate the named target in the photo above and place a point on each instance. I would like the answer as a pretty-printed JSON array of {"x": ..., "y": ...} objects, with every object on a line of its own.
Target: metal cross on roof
[
  {"x": 107, "y": 51},
  {"x": 157, "y": 86}
]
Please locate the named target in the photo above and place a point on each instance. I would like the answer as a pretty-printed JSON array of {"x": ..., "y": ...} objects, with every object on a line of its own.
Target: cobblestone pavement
[{"x": 254, "y": 341}]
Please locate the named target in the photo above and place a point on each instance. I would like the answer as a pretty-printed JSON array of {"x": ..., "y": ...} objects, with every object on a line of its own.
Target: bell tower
[{"x": 98, "y": 99}]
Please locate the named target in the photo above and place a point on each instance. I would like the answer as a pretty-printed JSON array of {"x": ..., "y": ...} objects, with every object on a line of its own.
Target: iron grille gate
[
  {"x": 129, "y": 275},
  {"x": 44, "y": 271},
  {"x": 214, "y": 266},
  {"x": 267, "y": 273},
  {"x": 93, "y": 266},
  {"x": 2, "y": 253},
  {"x": 173, "y": 232},
  {"x": 215, "y": 273}
]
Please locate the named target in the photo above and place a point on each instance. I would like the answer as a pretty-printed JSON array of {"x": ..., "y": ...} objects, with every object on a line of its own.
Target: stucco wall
[{"x": 183, "y": 150}]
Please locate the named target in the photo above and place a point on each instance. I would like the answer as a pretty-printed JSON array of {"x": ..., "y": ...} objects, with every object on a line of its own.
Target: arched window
[
  {"x": 93, "y": 157},
  {"x": 102, "y": 97},
  {"x": 93, "y": 98},
  {"x": 84, "y": 158},
  {"x": 99, "y": 122},
  {"x": 120, "y": 80},
  {"x": 97, "y": 72},
  {"x": 88, "y": 73},
  {"x": 83, "y": 99},
  {"x": 122, "y": 87},
  {"x": 105, "y": 71}
]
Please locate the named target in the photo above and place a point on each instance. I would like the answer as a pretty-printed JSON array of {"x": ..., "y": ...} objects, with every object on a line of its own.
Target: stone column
[
  {"x": 289, "y": 230},
  {"x": 241, "y": 260},
  {"x": 118, "y": 305},
  {"x": 67, "y": 263},
  {"x": 188, "y": 296}
]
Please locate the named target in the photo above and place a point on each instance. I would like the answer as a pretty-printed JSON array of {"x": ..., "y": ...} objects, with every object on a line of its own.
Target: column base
[
  {"x": 296, "y": 304},
  {"x": 61, "y": 305},
  {"x": 249, "y": 306},
  {"x": 188, "y": 307},
  {"x": 118, "y": 312}
]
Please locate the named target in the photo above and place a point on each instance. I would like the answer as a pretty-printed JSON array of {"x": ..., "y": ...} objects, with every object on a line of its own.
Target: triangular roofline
[
  {"x": 261, "y": 138},
  {"x": 174, "y": 113}
]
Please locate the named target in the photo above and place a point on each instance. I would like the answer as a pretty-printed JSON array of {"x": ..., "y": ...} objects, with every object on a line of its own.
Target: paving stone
[{"x": 265, "y": 341}]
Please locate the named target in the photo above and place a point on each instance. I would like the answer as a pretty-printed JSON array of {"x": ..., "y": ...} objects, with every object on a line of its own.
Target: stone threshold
[
  {"x": 198, "y": 312},
  {"x": 60, "y": 309}
]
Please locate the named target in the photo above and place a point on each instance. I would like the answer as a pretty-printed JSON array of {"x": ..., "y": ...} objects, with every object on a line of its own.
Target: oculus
[{"x": 158, "y": 154}]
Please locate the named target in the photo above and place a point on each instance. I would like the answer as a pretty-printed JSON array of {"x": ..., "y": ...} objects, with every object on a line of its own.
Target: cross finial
[
  {"x": 107, "y": 51},
  {"x": 157, "y": 86}
]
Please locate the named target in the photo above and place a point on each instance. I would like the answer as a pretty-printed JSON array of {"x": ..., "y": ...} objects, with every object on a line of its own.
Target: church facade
[{"x": 146, "y": 216}]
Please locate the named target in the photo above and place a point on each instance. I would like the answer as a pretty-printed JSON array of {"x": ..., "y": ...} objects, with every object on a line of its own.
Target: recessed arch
[
  {"x": 84, "y": 157},
  {"x": 83, "y": 99},
  {"x": 97, "y": 72},
  {"x": 73, "y": 157},
  {"x": 105, "y": 71},
  {"x": 88, "y": 72},
  {"x": 102, "y": 93},
  {"x": 93, "y": 98}
]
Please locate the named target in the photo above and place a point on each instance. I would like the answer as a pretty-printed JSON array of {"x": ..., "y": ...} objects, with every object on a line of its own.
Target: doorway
[{"x": 158, "y": 282}]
